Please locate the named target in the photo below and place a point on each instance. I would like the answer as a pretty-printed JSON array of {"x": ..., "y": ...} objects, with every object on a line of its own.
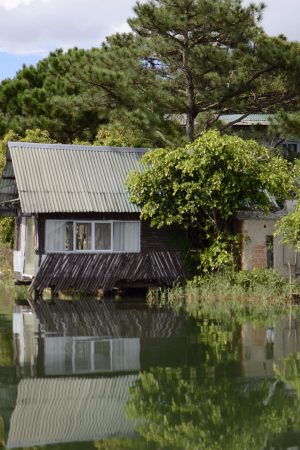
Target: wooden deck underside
[{"x": 89, "y": 272}]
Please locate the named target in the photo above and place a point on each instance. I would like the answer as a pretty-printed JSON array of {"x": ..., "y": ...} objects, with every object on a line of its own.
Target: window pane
[
  {"x": 83, "y": 236},
  {"x": 270, "y": 252},
  {"x": 55, "y": 236},
  {"x": 102, "y": 236},
  {"x": 69, "y": 236},
  {"x": 82, "y": 357},
  {"x": 102, "y": 358},
  {"x": 126, "y": 236}
]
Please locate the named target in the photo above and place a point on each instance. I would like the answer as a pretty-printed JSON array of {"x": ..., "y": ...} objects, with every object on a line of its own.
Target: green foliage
[
  {"x": 284, "y": 126},
  {"x": 124, "y": 444},
  {"x": 47, "y": 97},
  {"x": 208, "y": 409},
  {"x": 6, "y": 342},
  {"x": 288, "y": 228},
  {"x": 257, "y": 279},
  {"x": 7, "y": 231},
  {"x": 204, "y": 184},
  {"x": 116, "y": 134},
  {"x": 211, "y": 56},
  {"x": 260, "y": 291},
  {"x": 219, "y": 256},
  {"x": 189, "y": 59},
  {"x": 288, "y": 371}
]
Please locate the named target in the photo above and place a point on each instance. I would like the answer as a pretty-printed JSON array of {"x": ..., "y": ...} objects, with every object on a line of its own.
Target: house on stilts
[{"x": 75, "y": 226}]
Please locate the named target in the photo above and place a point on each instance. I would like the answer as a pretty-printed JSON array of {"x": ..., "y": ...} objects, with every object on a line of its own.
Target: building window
[
  {"x": 83, "y": 236},
  {"x": 69, "y": 243},
  {"x": 291, "y": 147},
  {"x": 270, "y": 251},
  {"x": 18, "y": 230},
  {"x": 56, "y": 236},
  {"x": 103, "y": 236},
  {"x": 96, "y": 236},
  {"x": 126, "y": 236}
]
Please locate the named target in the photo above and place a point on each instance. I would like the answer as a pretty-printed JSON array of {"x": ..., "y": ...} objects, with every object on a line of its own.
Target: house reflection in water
[
  {"x": 74, "y": 386},
  {"x": 264, "y": 347},
  {"x": 52, "y": 410},
  {"x": 95, "y": 339},
  {"x": 83, "y": 355}
]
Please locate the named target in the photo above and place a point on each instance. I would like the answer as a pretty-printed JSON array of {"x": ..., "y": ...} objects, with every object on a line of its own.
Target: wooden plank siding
[
  {"x": 89, "y": 272},
  {"x": 159, "y": 261},
  {"x": 89, "y": 317}
]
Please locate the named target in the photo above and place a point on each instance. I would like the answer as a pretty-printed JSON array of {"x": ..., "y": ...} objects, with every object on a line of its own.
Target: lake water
[{"x": 86, "y": 375}]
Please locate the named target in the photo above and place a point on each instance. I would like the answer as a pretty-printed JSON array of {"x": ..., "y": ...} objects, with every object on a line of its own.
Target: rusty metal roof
[{"x": 73, "y": 178}]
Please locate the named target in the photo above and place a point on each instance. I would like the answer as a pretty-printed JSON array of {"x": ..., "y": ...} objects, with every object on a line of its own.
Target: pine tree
[{"x": 212, "y": 57}]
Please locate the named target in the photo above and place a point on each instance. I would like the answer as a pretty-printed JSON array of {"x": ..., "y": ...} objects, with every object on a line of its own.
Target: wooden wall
[{"x": 159, "y": 261}]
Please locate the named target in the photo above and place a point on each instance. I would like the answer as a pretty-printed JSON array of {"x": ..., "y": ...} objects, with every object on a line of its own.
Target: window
[
  {"x": 59, "y": 236},
  {"x": 88, "y": 236},
  {"x": 126, "y": 236},
  {"x": 270, "y": 252},
  {"x": 18, "y": 228},
  {"x": 84, "y": 236},
  {"x": 69, "y": 244},
  {"x": 102, "y": 236},
  {"x": 102, "y": 355}
]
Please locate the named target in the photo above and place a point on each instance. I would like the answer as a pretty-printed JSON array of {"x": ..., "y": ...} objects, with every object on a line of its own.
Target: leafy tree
[
  {"x": 289, "y": 229},
  {"x": 116, "y": 134},
  {"x": 208, "y": 409},
  {"x": 117, "y": 78},
  {"x": 211, "y": 56},
  {"x": 190, "y": 60},
  {"x": 46, "y": 97},
  {"x": 285, "y": 126},
  {"x": 204, "y": 184}
]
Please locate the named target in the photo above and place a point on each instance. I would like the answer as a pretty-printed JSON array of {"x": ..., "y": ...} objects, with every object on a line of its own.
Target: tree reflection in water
[{"x": 212, "y": 407}]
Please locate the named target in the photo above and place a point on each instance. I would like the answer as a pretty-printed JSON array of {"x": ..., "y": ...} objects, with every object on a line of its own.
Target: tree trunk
[
  {"x": 190, "y": 126},
  {"x": 191, "y": 113}
]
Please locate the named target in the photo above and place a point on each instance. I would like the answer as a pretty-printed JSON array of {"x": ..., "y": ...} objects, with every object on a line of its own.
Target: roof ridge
[{"x": 42, "y": 145}]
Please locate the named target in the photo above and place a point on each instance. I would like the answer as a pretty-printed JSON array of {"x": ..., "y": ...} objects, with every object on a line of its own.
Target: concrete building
[{"x": 260, "y": 248}]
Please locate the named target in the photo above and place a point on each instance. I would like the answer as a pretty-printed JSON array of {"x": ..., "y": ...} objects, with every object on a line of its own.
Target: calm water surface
[{"x": 86, "y": 375}]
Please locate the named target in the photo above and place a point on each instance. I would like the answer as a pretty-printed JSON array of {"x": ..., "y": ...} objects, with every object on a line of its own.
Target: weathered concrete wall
[
  {"x": 254, "y": 247},
  {"x": 264, "y": 346}
]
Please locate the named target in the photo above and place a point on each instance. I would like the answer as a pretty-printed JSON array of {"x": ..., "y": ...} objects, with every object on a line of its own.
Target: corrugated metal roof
[
  {"x": 251, "y": 119},
  {"x": 61, "y": 410},
  {"x": 73, "y": 178}
]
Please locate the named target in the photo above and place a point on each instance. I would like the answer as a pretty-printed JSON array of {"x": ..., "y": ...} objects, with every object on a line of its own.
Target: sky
[{"x": 29, "y": 29}]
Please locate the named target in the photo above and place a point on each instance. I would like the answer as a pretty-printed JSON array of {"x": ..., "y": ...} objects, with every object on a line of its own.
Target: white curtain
[
  {"x": 102, "y": 236},
  {"x": 55, "y": 236},
  {"x": 126, "y": 237}
]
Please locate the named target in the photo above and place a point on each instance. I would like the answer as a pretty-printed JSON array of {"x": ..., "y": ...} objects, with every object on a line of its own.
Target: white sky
[
  {"x": 37, "y": 26},
  {"x": 29, "y": 29}
]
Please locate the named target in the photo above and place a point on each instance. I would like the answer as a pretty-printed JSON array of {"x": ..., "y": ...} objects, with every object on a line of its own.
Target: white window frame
[
  {"x": 93, "y": 222},
  {"x": 91, "y": 346}
]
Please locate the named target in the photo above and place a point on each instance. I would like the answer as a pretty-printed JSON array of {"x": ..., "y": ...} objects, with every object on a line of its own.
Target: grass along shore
[{"x": 261, "y": 289}]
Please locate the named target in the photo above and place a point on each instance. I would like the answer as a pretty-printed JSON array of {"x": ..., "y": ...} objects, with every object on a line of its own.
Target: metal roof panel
[
  {"x": 251, "y": 119},
  {"x": 67, "y": 178}
]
